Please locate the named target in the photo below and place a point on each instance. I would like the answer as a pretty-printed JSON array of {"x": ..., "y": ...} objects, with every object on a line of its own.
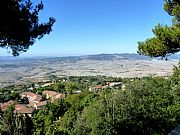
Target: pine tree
[
  {"x": 167, "y": 38},
  {"x": 19, "y": 25}
]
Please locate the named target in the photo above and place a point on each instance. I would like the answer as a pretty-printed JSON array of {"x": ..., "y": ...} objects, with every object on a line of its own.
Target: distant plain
[{"x": 34, "y": 69}]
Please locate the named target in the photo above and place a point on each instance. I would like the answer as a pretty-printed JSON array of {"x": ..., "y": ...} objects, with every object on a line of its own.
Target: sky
[{"x": 97, "y": 26}]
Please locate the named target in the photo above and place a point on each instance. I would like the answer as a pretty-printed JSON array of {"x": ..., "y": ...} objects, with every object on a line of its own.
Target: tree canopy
[
  {"x": 167, "y": 38},
  {"x": 19, "y": 25},
  {"x": 145, "y": 106}
]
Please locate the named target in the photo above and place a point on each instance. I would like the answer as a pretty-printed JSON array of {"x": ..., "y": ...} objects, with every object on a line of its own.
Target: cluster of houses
[
  {"x": 31, "y": 102},
  {"x": 108, "y": 85}
]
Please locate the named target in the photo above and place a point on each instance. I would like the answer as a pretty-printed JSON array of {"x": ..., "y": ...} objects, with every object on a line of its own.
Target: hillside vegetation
[{"x": 148, "y": 106}]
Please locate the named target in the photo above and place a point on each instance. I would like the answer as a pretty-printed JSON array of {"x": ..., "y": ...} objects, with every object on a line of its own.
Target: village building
[
  {"x": 96, "y": 88},
  {"x": 46, "y": 84},
  {"x": 52, "y": 95},
  {"x": 26, "y": 111},
  {"x": 32, "y": 97},
  {"x": 19, "y": 108},
  {"x": 37, "y": 105},
  {"x": 40, "y": 105},
  {"x": 35, "y": 102},
  {"x": 113, "y": 84}
]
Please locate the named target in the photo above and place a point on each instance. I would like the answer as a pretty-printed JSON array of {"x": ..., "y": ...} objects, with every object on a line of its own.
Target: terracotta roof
[
  {"x": 26, "y": 110},
  {"x": 33, "y": 96},
  {"x": 59, "y": 96},
  {"x": 43, "y": 103},
  {"x": 31, "y": 104},
  {"x": 5, "y": 105},
  {"x": 98, "y": 87},
  {"x": 50, "y": 93},
  {"x": 19, "y": 106},
  {"x": 38, "y": 98},
  {"x": 30, "y": 94}
]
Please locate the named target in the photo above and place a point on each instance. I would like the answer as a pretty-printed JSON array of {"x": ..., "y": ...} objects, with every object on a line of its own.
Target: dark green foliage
[
  {"x": 11, "y": 92},
  {"x": 7, "y": 122},
  {"x": 15, "y": 124},
  {"x": 175, "y": 82},
  {"x": 14, "y": 96},
  {"x": 28, "y": 125},
  {"x": 151, "y": 107},
  {"x": 44, "y": 119},
  {"x": 77, "y": 102},
  {"x": 96, "y": 119},
  {"x": 175, "y": 78},
  {"x": 59, "y": 87},
  {"x": 172, "y": 7},
  {"x": 19, "y": 25},
  {"x": 71, "y": 87},
  {"x": 167, "y": 38},
  {"x": 147, "y": 106}
]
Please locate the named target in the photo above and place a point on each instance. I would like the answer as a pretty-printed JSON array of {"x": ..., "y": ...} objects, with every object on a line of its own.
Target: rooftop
[
  {"x": 26, "y": 110},
  {"x": 51, "y": 93},
  {"x": 30, "y": 94}
]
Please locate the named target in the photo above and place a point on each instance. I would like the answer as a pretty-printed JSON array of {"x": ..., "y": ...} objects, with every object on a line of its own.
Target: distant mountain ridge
[
  {"x": 104, "y": 56},
  {"x": 99, "y": 57},
  {"x": 123, "y": 56}
]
